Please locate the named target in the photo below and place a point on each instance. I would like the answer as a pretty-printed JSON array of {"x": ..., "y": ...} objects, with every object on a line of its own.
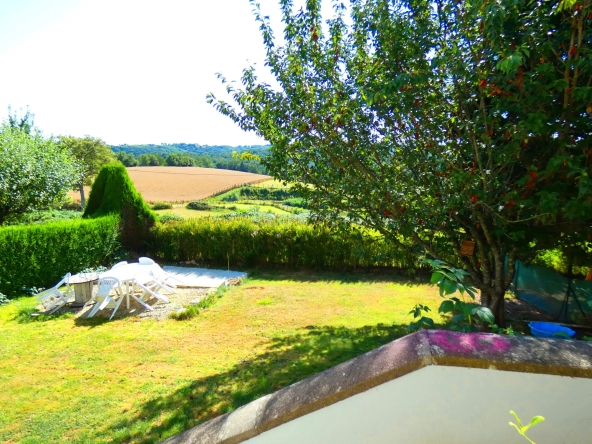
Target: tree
[
  {"x": 34, "y": 172},
  {"x": 176, "y": 159},
  {"x": 127, "y": 159},
  {"x": 434, "y": 123},
  {"x": 151, "y": 160},
  {"x": 24, "y": 122},
  {"x": 91, "y": 154}
]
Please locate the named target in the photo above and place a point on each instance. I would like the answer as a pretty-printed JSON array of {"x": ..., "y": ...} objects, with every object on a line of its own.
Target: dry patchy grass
[{"x": 90, "y": 381}]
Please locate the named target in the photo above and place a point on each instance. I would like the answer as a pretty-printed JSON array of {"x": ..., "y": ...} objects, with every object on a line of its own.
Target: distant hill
[
  {"x": 207, "y": 156},
  {"x": 165, "y": 149}
]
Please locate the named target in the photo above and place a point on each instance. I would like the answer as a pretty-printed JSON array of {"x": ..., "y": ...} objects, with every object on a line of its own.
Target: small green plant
[
  {"x": 186, "y": 313},
  {"x": 162, "y": 206},
  {"x": 522, "y": 429},
  {"x": 194, "y": 309},
  {"x": 198, "y": 205},
  {"x": 4, "y": 299},
  {"x": 421, "y": 321},
  {"x": 465, "y": 315},
  {"x": 231, "y": 197},
  {"x": 97, "y": 269},
  {"x": 504, "y": 331},
  {"x": 166, "y": 218}
]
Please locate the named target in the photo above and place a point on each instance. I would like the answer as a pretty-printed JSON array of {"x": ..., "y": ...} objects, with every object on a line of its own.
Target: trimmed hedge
[
  {"x": 39, "y": 255},
  {"x": 257, "y": 193},
  {"x": 113, "y": 192},
  {"x": 244, "y": 242}
]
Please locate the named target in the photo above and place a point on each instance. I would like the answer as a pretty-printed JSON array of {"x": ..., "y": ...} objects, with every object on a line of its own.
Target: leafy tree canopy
[
  {"x": 91, "y": 153},
  {"x": 151, "y": 160},
  {"x": 439, "y": 121},
  {"x": 34, "y": 172},
  {"x": 176, "y": 159},
  {"x": 127, "y": 159}
]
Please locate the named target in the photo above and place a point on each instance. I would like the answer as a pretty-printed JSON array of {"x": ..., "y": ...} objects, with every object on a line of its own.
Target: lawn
[
  {"x": 86, "y": 381},
  {"x": 225, "y": 208}
]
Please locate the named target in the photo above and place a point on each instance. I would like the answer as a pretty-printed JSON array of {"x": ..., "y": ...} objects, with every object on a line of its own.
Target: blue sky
[{"x": 127, "y": 71}]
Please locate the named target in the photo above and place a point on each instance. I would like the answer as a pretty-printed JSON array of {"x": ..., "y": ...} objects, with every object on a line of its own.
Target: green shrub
[
  {"x": 186, "y": 313},
  {"x": 199, "y": 206},
  {"x": 295, "y": 202},
  {"x": 42, "y": 216},
  {"x": 193, "y": 310},
  {"x": 272, "y": 241},
  {"x": 162, "y": 206},
  {"x": 166, "y": 218},
  {"x": 113, "y": 193},
  {"x": 231, "y": 196},
  {"x": 39, "y": 255}
]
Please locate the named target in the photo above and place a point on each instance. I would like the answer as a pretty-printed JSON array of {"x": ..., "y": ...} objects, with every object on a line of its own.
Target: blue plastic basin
[{"x": 548, "y": 330}]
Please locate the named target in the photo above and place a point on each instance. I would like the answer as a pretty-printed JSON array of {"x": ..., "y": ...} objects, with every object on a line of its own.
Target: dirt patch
[
  {"x": 160, "y": 309},
  {"x": 518, "y": 310}
]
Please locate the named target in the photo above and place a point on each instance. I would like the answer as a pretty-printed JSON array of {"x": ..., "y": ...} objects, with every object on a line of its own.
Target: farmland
[{"x": 184, "y": 184}]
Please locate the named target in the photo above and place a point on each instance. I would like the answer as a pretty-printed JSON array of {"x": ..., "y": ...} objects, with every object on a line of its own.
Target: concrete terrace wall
[
  {"x": 432, "y": 386},
  {"x": 449, "y": 405}
]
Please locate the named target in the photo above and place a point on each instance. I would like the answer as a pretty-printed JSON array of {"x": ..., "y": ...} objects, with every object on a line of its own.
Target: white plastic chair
[
  {"x": 161, "y": 276},
  {"x": 103, "y": 296},
  {"x": 53, "y": 298},
  {"x": 119, "y": 264}
]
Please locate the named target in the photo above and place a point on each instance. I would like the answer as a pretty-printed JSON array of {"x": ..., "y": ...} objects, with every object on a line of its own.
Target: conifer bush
[{"x": 113, "y": 192}]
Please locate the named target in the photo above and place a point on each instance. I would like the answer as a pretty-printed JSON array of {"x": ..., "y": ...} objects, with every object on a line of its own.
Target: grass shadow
[
  {"x": 26, "y": 315},
  {"x": 285, "y": 361}
]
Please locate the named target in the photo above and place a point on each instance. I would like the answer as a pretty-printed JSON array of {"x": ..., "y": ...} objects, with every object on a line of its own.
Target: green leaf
[
  {"x": 459, "y": 318},
  {"x": 436, "y": 277},
  {"x": 446, "y": 307},
  {"x": 484, "y": 313},
  {"x": 447, "y": 286},
  {"x": 536, "y": 420}
]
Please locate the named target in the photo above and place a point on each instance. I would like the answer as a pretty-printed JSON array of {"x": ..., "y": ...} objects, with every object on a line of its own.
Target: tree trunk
[
  {"x": 82, "y": 200},
  {"x": 494, "y": 299}
]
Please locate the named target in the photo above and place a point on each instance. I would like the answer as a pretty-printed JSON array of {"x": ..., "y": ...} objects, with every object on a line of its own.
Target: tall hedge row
[
  {"x": 39, "y": 255},
  {"x": 244, "y": 242},
  {"x": 259, "y": 193}
]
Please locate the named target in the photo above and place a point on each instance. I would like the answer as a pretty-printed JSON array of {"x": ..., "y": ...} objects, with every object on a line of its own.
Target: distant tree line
[{"x": 190, "y": 155}]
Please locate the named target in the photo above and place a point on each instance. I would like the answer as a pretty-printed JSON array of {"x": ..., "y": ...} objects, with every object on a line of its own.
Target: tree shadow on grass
[
  {"x": 421, "y": 277},
  {"x": 287, "y": 360}
]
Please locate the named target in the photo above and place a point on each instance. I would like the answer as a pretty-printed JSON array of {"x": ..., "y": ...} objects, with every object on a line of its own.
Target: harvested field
[{"x": 184, "y": 184}]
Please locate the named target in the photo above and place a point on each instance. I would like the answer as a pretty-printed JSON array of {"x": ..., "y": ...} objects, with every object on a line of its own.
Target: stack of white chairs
[
  {"x": 103, "y": 296},
  {"x": 161, "y": 279},
  {"x": 53, "y": 298}
]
